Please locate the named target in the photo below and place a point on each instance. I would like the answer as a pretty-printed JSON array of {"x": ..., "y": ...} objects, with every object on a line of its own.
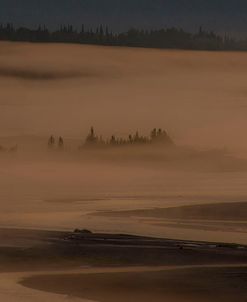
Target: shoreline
[
  {"x": 55, "y": 266},
  {"x": 105, "y": 284}
]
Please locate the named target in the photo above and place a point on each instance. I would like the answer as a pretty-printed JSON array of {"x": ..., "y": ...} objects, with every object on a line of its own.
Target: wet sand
[
  {"x": 30, "y": 250},
  {"x": 176, "y": 284},
  {"x": 206, "y": 221},
  {"x": 84, "y": 266},
  {"x": 236, "y": 211}
]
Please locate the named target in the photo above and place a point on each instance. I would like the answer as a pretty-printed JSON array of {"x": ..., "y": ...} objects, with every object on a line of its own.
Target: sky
[{"x": 220, "y": 15}]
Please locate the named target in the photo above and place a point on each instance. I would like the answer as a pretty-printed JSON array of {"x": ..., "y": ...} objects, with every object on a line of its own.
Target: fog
[
  {"x": 62, "y": 90},
  {"x": 199, "y": 97}
]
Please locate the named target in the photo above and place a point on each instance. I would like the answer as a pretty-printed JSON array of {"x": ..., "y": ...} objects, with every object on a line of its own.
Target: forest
[
  {"x": 157, "y": 136},
  {"x": 166, "y": 38}
]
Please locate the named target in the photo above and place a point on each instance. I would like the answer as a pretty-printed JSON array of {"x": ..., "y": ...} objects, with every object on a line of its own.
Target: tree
[
  {"x": 60, "y": 142},
  {"x": 101, "y": 31},
  {"x": 51, "y": 141},
  {"x": 154, "y": 133},
  {"x": 137, "y": 137},
  {"x": 130, "y": 139},
  {"x": 91, "y": 138},
  {"x": 113, "y": 140}
]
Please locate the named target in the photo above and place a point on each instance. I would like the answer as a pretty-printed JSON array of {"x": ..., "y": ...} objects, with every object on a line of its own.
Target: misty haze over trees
[
  {"x": 157, "y": 136},
  {"x": 169, "y": 38}
]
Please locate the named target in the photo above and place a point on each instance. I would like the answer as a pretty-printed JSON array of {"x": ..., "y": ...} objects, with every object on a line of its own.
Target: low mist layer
[
  {"x": 198, "y": 97},
  {"x": 47, "y": 90}
]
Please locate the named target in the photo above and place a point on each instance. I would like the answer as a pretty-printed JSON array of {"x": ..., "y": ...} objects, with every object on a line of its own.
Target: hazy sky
[{"x": 220, "y": 15}]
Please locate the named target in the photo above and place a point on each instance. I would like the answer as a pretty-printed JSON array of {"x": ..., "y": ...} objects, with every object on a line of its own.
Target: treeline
[
  {"x": 102, "y": 35},
  {"x": 157, "y": 136}
]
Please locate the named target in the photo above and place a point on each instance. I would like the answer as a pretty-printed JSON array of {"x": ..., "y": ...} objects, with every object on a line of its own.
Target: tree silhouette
[
  {"x": 51, "y": 141},
  {"x": 102, "y": 35},
  {"x": 154, "y": 133},
  {"x": 91, "y": 139},
  {"x": 60, "y": 142}
]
